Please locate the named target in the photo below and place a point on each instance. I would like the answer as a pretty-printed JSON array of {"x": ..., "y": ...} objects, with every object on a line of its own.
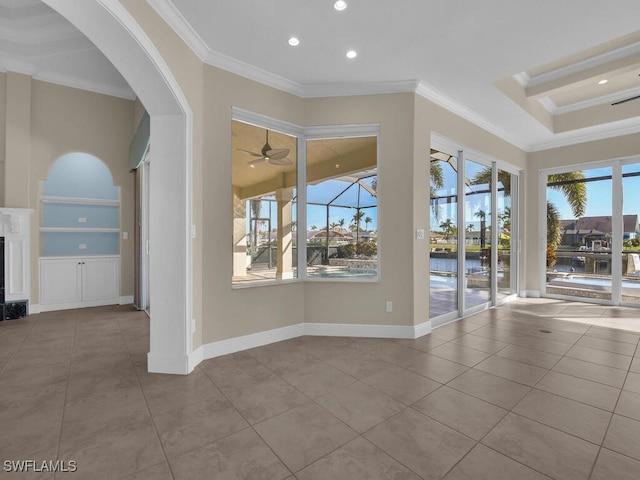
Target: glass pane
[
  {"x": 342, "y": 208},
  {"x": 579, "y": 233},
  {"x": 443, "y": 256},
  {"x": 478, "y": 215},
  {"x": 264, "y": 204},
  {"x": 631, "y": 234},
  {"x": 506, "y": 282}
]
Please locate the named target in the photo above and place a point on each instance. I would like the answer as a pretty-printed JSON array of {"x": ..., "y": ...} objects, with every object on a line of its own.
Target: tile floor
[{"x": 489, "y": 397}]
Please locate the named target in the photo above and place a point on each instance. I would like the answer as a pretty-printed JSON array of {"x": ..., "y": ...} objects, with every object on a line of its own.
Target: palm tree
[
  {"x": 357, "y": 217},
  {"x": 482, "y": 215},
  {"x": 333, "y": 225},
  {"x": 574, "y": 191},
  {"x": 314, "y": 227},
  {"x": 470, "y": 227},
  {"x": 367, "y": 221},
  {"x": 341, "y": 223},
  {"x": 437, "y": 181},
  {"x": 447, "y": 227},
  {"x": 568, "y": 183}
]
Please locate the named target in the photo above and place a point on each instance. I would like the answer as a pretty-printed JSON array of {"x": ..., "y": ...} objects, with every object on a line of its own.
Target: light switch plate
[
  {"x": 420, "y": 234},
  {"x": 82, "y": 246}
]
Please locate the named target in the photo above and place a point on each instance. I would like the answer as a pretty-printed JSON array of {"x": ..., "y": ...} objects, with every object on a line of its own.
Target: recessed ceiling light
[
  {"x": 340, "y": 5},
  {"x": 294, "y": 42},
  {"x": 602, "y": 82},
  {"x": 352, "y": 54}
]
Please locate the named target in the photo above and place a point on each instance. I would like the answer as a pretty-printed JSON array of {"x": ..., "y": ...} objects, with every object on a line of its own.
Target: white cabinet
[{"x": 74, "y": 282}]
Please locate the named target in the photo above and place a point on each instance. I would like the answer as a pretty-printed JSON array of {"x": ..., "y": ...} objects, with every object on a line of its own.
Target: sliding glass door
[
  {"x": 471, "y": 262},
  {"x": 593, "y": 249}
]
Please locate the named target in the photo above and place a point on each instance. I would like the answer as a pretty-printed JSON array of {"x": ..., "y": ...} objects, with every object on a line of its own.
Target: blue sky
[{"x": 599, "y": 194}]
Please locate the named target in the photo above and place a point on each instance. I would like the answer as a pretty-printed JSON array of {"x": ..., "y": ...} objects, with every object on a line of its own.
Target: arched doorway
[{"x": 121, "y": 39}]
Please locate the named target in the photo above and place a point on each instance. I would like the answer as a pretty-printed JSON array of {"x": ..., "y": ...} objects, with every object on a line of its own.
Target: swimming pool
[{"x": 593, "y": 283}]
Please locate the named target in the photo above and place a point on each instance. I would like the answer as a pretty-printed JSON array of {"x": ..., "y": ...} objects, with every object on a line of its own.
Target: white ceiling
[
  {"x": 36, "y": 41},
  {"x": 454, "y": 50},
  {"x": 449, "y": 51}
]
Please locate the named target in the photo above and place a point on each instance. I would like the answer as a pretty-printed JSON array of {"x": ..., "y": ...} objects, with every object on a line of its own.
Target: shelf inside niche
[
  {"x": 79, "y": 201},
  {"x": 78, "y": 230}
]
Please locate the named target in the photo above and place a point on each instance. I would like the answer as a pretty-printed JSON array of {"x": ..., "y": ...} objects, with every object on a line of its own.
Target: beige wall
[
  {"x": 431, "y": 118},
  {"x": 364, "y": 303},
  {"x": 231, "y": 312},
  {"x": 584, "y": 153},
  {"x": 65, "y": 120}
]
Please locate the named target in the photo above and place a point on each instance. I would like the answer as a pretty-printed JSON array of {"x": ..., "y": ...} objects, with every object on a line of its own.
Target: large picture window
[
  {"x": 342, "y": 208},
  {"x": 330, "y": 230},
  {"x": 264, "y": 169}
]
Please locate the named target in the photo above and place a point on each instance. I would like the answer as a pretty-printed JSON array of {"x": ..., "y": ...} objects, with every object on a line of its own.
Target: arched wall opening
[{"x": 120, "y": 38}]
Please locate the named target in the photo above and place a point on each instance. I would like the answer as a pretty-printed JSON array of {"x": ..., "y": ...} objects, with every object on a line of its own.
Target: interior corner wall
[
  {"x": 68, "y": 120},
  {"x": 431, "y": 118},
  {"x": 3, "y": 109},
  {"x": 582, "y": 153},
  {"x": 364, "y": 303},
  {"x": 229, "y": 312}
]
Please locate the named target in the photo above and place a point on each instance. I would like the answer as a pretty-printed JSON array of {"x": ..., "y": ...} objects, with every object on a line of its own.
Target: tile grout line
[
  {"x": 66, "y": 391},
  {"x": 611, "y": 420},
  {"x": 13, "y": 355},
  {"x": 144, "y": 396}
]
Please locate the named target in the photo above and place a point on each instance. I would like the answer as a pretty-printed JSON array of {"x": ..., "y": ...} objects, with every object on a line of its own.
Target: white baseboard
[
  {"x": 422, "y": 329},
  {"x": 237, "y": 344},
  {"x": 71, "y": 305},
  {"x": 126, "y": 300},
  {"x": 34, "y": 308},
  {"x": 172, "y": 365},
  {"x": 355, "y": 330}
]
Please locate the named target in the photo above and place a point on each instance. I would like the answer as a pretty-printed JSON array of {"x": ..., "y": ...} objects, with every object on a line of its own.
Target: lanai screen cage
[
  {"x": 340, "y": 206},
  {"x": 345, "y": 204}
]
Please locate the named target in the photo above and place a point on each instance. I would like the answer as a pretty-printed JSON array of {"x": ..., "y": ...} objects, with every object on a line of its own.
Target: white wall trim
[
  {"x": 171, "y": 365},
  {"x": 259, "y": 339},
  {"x": 72, "y": 305},
  {"x": 367, "y": 88},
  {"x": 245, "y": 342},
  {"x": 357, "y": 330},
  {"x": 79, "y": 201},
  {"x": 590, "y": 134},
  {"x": 422, "y": 329},
  {"x": 34, "y": 308},
  {"x": 126, "y": 300}
]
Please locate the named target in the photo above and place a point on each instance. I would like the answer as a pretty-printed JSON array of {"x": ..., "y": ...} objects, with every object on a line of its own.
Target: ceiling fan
[
  {"x": 626, "y": 99},
  {"x": 275, "y": 156}
]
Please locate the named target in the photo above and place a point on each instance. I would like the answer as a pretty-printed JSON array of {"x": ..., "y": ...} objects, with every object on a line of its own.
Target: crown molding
[
  {"x": 618, "y": 129},
  {"x": 259, "y": 75},
  {"x": 585, "y": 64},
  {"x": 549, "y": 105},
  {"x": 179, "y": 24},
  {"x": 448, "y": 103},
  {"x": 348, "y": 89},
  {"x": 593, "y": 102}
]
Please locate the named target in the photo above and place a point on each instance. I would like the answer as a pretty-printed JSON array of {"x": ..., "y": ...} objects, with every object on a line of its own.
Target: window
[
  {"x": 264, "y": 169},
  {"x": 342, "y": 208}
]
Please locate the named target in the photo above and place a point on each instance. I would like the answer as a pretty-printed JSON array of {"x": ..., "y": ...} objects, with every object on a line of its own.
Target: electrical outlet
[
  {"x": 420, "y": 234},
  {"x": 389, "y": 306},
  {"x": 193, "y": 325},
  {"x": 82, "y": 220},
  {"x": 82, "y": 246},
  {"x": 125, "y": 235}
]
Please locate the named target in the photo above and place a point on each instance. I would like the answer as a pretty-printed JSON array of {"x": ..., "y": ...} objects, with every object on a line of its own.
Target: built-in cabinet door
[
  {"x": 16, "y": 258},
  {"x": 100, "y": 278},
  {"x": 75, "y": 282},
  {"x": 60, "y": 280}
]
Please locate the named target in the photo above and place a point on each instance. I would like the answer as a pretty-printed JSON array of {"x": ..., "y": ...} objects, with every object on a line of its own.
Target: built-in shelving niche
[{"x": 80, "y": 208}]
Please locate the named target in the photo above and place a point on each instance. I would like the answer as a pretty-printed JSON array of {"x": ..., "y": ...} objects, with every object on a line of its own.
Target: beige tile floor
[{"x": 489, "y": 397}]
